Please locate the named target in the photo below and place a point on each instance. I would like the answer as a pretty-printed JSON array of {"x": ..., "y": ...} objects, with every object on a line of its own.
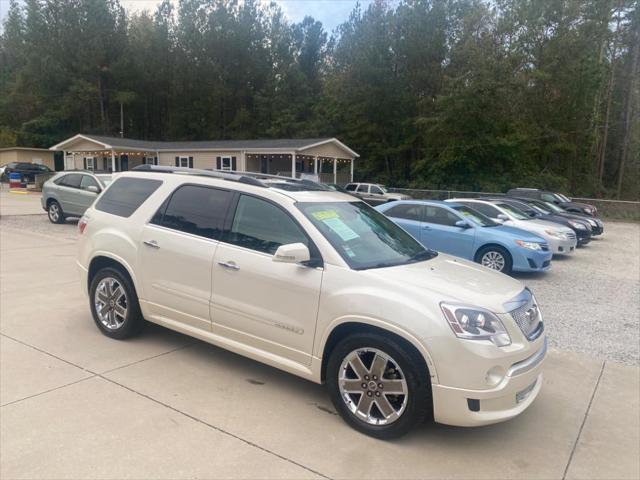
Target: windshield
[
  {"x": 383, "y": 188},
  {"x": 514, "y": 212},
  {"x": 364, "y": 237},
  {"x": 562, "y": 197},
  {"x": 553, "y": 207},
  {"x": 475, "y": 216},
  {"x": 104, "y": 179},
  {"x": 539, "y": 209}
]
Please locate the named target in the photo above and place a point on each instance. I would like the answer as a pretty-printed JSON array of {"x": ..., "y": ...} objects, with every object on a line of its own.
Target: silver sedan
[{"x": 70, "y": 193}]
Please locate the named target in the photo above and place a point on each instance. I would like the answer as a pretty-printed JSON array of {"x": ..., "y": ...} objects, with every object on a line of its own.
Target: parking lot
[{"x": 75, "y": 404}]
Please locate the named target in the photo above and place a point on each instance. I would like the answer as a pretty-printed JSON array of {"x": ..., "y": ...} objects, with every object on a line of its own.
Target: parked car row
[{"x": 506, "y": 234}]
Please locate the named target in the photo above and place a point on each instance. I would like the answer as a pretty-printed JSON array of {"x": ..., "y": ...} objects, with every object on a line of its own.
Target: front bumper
[
  {"x": 470, "y": 408},
  {"x": 562, "y": 247},
  {"x": 526, "y": 260}
]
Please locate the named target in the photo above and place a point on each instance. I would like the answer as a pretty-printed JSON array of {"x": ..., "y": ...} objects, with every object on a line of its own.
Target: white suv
[{"x": 318, "y": 284}]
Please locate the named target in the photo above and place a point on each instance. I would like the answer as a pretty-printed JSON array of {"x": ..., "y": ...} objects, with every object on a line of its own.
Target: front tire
[
  {"x": 114, "y": 304},
  {"x": 379, "y": 386},
  {"x": 496, "y": 258},
  {"x": 55, "y": 213}
]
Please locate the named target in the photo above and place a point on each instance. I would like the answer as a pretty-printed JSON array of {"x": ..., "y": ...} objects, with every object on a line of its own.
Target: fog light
[{"x": 494, "y": 376}]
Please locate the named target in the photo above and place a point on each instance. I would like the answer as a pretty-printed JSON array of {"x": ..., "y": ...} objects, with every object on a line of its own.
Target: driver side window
[
  {"x": 440, "y": 216},
  {"x": 88, "y": 181},
  {"x": 375, "y": 190},
  {"x": 262, "y": 226}
]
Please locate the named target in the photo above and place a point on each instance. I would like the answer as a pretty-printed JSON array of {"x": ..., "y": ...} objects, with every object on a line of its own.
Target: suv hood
[{"x": 452, "y": 279}]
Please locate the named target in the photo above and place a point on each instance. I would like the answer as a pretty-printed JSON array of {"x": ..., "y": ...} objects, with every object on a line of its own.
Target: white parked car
[
  {"x": 374, "y": 193},
  {"x": 562, "y": 240},
  {"x": 318, "y": 284}
]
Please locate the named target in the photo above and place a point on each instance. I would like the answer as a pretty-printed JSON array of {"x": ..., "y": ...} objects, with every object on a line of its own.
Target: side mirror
[
  {"x": 93, "y": 188},
  {"x": 292, "y": 253},
  {"x": 462, "y": 224}
]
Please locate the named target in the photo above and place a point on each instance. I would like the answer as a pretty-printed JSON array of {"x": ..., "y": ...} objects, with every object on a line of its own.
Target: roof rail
[
  {"x": 234, "y": 177},
  {"x": 300, "y": 181}
]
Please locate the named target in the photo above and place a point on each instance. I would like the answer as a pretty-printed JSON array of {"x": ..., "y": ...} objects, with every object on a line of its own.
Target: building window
[
  {"x": 184, "y": 162},
  {"x": 226, "y": 163},
  {"x": 150, "y": 160},
  {"x": 90, "y": 163}
]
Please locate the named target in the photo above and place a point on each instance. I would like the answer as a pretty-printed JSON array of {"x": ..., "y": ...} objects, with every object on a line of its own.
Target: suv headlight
[
  {"x": 556, "y": 234},
  {"x": 577, "y": 225},
  {"x": 529, "y": 245},
  {"x": 473, "y": 323},
  {"x": 593, "y": 223}
]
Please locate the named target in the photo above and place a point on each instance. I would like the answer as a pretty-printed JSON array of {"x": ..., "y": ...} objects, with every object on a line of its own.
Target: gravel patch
[{"x": 590, "y": 300}]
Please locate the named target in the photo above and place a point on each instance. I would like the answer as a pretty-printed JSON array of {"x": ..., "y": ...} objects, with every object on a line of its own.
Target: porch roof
[{"x": 257, "y": 145}]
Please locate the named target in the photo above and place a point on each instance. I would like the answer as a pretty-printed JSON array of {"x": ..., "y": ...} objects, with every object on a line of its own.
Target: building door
[
  {"x": 264, "y": 164},
  {"x": 58, "y": 161},
  {"x": 124, "y": 163},
  {"x": 69, "y": 162}
]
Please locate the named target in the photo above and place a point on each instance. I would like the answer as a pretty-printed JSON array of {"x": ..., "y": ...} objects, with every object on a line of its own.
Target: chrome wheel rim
[
  {"x": 54, "y": 212},
  {"x": 493, "y": 260},
  {"x": 111, "y": 303},
  {"x": 373, "y": 386}
]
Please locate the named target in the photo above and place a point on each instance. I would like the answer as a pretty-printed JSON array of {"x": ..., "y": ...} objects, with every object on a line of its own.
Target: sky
[{"x": 330, "y": 12}]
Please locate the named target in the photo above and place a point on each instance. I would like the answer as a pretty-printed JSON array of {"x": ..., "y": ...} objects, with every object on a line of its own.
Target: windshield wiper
[{"x": 426, "y": 254}]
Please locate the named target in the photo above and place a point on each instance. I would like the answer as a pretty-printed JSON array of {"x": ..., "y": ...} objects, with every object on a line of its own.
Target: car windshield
[
  {"x": 562, "y": 197},
  {"x": 539, "y": 209},
  {"x": 475, "y": 216},
  {"x": 363, "y": 237},
  {"x": 104, "y": 179},
  {"x": 514, "y": 212},
  {"x": 553, "y": 207}
]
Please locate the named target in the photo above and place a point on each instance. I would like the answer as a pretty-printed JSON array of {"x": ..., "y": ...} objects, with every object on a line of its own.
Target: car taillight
[{"x": 82, "y": 224}]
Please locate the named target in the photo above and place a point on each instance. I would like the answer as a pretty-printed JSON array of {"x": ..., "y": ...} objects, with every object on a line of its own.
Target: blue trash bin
[{"x": 15, "y": 180}]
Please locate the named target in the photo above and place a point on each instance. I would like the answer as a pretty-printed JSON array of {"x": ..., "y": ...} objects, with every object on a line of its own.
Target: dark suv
[
  {"x": 28, "y": 171},
  {"x": 557, "y": 198}
]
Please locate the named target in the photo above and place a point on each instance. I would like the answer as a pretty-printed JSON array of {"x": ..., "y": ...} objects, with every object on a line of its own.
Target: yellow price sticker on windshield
[{"x": 325, "y": 215}]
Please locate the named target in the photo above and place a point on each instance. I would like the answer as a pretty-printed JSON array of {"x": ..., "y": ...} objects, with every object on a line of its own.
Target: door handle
[
  {"x": 229, "y": 265},
  {"x": 151, "y": 243},
  {"x": 426, "y": 227}
]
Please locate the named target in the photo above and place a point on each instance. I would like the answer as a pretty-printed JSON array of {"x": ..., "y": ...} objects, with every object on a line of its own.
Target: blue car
[{"x": 464, "y": 232}]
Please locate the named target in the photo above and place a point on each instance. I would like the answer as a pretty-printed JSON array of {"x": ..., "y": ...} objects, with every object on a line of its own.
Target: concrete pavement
[{"x": 75, "y": 404}]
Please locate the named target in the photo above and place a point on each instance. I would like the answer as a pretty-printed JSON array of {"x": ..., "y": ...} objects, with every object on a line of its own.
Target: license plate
[{"x": 523, "y": 394}]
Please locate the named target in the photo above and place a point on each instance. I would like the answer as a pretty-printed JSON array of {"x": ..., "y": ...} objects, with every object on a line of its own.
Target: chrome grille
[
  {"x": 571, "y": 235},
  {"x": 528, "y": 318}
]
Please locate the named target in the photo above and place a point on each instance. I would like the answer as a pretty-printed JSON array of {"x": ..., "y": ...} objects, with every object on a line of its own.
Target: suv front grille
[
  {"x": 529, "y": 319},
  {"x": 571, "y": 235}
]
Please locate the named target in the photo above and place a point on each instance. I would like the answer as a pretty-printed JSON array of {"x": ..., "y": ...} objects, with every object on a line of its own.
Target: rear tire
[
  {"x": 55, "y": 213},
  {"x": 382, "y": 364},
  {"x": 114, "y": 304},
  {"x": 496, "y": 258}
]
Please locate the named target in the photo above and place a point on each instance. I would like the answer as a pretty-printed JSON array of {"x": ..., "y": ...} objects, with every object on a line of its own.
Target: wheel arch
[
  {"x": 488, "y": 245},
  {"x": 347, "y": 327},
  {"x": 101, "y": 261}
]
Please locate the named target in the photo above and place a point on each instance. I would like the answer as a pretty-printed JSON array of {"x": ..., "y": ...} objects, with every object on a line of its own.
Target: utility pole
[{"x": 121, "y": 120}]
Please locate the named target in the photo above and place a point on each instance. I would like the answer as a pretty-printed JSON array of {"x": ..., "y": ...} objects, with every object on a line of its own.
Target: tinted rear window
[
  {"x": 196, "y": 210},
  {"x": 126, "y": 195}
]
